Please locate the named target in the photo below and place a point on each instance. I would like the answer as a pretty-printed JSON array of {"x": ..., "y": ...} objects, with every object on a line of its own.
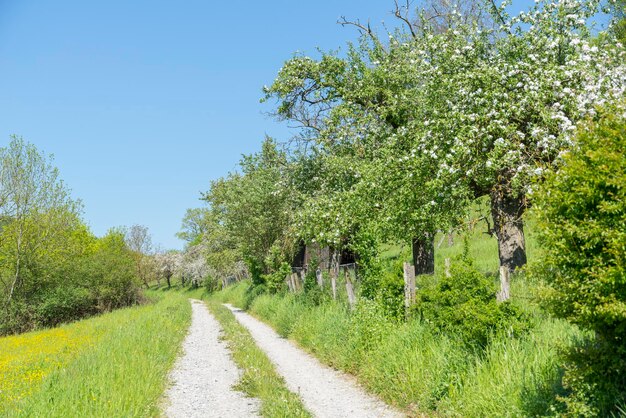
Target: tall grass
[
  {"x": 124, "y": 374},
  {"x": 410, "y": 365},
  {"x": 514, "y": 377}
]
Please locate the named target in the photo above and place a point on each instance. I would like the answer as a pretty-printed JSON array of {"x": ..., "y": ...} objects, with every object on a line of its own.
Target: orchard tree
[
  {"x": 203, "y": 229},
  {"x": 168, "y": 264},
  {"x": 194, "y": 225},
  {"x": 251, "y": 205},
  {"x": 194, "y": 266},
  {"x": 473, "y": 110},
  {"x": 619, "y": 24},
  {"x": 222, "y": 251}
]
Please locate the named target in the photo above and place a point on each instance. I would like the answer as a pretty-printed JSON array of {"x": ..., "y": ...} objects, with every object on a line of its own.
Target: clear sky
[{"x": 143, "y": 103}]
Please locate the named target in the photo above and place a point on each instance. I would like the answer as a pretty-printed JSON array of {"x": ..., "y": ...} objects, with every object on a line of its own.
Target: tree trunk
[
  {"x": 424, "y": 254},
  {"x": 507, "y": 211},
  {"x": 169, "y": 284},
  {"x": 18, "y": 265}
]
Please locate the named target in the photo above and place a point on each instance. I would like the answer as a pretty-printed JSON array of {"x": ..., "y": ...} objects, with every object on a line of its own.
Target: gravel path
[
  {"x": 204, "y": 375},
  {"x": 325, "y": 392}
]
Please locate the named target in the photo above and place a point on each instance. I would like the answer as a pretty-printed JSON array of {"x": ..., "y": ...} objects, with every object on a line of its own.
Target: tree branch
[
  {"x": 367, "y": 30},
  {"x": 496, "y": 11},
  {"x": 404, "y": 16}
]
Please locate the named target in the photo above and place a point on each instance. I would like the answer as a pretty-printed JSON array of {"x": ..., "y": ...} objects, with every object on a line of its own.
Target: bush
[
  {"x": 110, "y": 275},
  {"x": 581, "y": 210},
  {"x": 464, "y": 304},
  {"x": 581, "y": 213},
  {"x": 275, "y": 282},
  {"x": 383, "y": 282},
  {"x": 212, "y": 284},
  {"x": 63, "y": 304}
]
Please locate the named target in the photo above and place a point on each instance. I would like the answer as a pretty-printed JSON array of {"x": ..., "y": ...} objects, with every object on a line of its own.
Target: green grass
[
  {"x": 124, "y": 374},
  {"x": 417, "y": 369},
  {"x": 259, "y": 377},
  {"x": 483, "y": 248},
  {"x": 414, "y": 367}
]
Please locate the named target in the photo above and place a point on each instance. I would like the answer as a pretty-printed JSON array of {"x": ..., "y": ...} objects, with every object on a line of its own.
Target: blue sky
[{"x": 144, "y": 102}]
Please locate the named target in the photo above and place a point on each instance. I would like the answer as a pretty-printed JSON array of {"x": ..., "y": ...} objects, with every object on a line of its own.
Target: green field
[{"x": 112, "y": 365}]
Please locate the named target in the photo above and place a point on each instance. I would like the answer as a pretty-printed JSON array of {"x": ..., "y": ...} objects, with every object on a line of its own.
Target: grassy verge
[
  {"x": 417, "y": 369},
  {"x": 259, "y": 378},
  {"x": 112, "y": 365}
]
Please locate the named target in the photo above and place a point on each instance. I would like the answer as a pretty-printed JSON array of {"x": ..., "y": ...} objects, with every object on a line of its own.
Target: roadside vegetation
[
  {"x": 476, "y": 149},
  {"x": 52, "y": 268},
  {"x": 478, "y": 367},
  {"x": 112, "y": 365}
]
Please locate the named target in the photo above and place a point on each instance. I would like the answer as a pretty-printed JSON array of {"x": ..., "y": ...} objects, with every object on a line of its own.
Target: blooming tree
[
  {"x": 428, "y": 119},
  {"x": 168, "y": 264},
  {"x": 194, "y": 266}
]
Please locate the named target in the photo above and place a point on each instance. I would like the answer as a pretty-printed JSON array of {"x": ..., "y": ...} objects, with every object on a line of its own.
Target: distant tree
[
  {"x": 35, "y": 210},
  {"x": 194, "y": 266},
  {"x": 52, "y": 268},
  {"x": 139, "y": 241},
  {"x": 194, "y": 225},
  {"x": 168, "y": 264},
  {"x": 252, "y": 206}
]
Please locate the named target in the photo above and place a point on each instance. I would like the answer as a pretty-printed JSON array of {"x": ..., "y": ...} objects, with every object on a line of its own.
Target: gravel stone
[{"x": 204, "y": 375}]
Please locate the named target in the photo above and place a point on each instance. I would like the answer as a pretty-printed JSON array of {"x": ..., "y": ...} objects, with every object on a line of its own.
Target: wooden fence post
[
  {"x": 319, "y": 277},
  {"x": 289, "y": 284},
  {"x": 302, "y": 278},
  {"x": 334, "y": 273},
  {"x": 409, "y": 285},
  {"x": 349, "y": 288},
  {"x": 447, "y": 268},
  {"x": 505, "y": 285}
]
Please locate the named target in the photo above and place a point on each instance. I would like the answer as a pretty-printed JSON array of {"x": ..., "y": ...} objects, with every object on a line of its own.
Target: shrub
[
  {"x": 63, "y": 304},
  {"x": 384, "y": 283},
  {"x": 212, "y": 284},
  {"x": 275, "y": 282},
  {"x": 581, "y": 213},
  {"x": 110, "y": 273},
  {"x": 464, "y": 304}
]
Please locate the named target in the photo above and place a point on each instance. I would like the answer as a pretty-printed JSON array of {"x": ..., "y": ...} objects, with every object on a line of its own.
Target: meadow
[{"x": 111, "y": 365}]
